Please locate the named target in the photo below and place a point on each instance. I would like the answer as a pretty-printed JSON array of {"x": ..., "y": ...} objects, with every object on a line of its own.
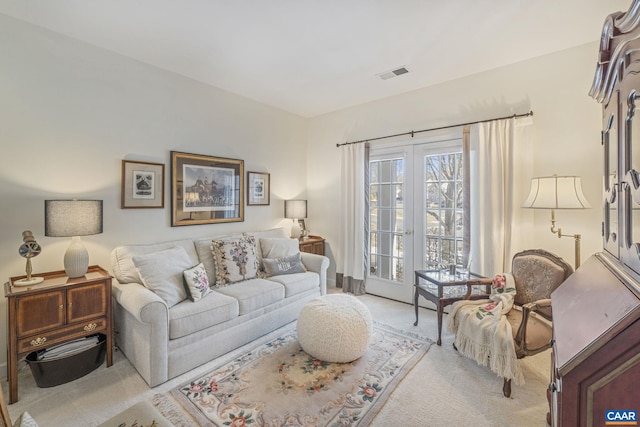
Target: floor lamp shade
[
  {"x": 558, "y": 192},
  {"x": 295, "y": 209},
  {"x": 73, "y": 218}
]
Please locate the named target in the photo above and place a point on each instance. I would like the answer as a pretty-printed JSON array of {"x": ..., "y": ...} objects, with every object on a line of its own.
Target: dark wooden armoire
[{"x": 596, "y": 349}]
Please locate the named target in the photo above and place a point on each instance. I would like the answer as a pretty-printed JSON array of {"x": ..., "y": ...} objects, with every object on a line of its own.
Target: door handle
[{"x": 408, "y": 232}]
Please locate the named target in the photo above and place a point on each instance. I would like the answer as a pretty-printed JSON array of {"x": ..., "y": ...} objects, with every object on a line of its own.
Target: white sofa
[{"x": 164, "y": 341}]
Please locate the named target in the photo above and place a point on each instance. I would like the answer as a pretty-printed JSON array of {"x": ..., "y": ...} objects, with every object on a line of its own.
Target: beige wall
[
  {"x": 566, "y": 127},
  {"x": 69, "y": 114}
]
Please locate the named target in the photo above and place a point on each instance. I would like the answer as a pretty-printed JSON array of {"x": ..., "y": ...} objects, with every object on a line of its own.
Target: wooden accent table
[
  {"x": 312, "y": 245},
  {"x": 55, "y": 311},
  {"x": 443, "y": 289}
]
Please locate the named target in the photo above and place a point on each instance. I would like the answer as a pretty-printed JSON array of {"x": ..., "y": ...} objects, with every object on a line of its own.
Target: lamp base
[
  {"x": 28, "y": 282},
  {"x": 295, "y": 229},
  {"x": 76, "y": 259}
]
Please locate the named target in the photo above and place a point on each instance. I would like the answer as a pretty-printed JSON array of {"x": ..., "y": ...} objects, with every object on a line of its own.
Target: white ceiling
[{"x": 310, "y": 57}]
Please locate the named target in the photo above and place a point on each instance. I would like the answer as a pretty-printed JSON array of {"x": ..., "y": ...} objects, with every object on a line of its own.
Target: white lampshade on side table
[
  {"x": 73, "y": 218},
  {"x": 294, "y": 210}
]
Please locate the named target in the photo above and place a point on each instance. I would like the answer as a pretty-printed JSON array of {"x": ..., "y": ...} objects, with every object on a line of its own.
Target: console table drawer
[{"x": 57, "y": 336}]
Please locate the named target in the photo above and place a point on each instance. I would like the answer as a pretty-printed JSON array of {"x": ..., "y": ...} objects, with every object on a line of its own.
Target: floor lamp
[{"x": 558, "y": 192}]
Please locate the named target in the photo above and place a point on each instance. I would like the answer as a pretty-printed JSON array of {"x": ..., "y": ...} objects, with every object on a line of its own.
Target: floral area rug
[{"x": 278, "y": 384}]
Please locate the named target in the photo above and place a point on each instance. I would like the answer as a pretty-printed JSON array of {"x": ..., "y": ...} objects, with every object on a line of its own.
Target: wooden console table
[
  {"x": 55, "y": 311},
  {"x": 312, "y": 245}
]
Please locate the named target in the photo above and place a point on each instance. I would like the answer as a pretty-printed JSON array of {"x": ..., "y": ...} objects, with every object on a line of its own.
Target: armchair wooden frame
[{"x": 538, "y": 306}]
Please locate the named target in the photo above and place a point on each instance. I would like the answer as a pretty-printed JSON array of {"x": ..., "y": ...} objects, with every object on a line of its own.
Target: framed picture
[
  {"x": 206, "y": 189},
  {"x": 142, "y": 185},
  {"x": 258, "y": 189},
  {"x": 302, "y": 224}
]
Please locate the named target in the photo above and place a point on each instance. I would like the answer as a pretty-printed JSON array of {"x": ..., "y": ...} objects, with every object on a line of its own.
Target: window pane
[
  {"x": 385, "y": 171},
  {"x": 447, "y": 194},
  {"x": 398, "y": 168},
  {"x": 374, "y": 172},
  {"x": 443, "y": 209}
]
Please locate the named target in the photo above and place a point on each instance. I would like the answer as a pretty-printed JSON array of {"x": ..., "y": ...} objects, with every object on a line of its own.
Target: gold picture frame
[
  {"x": 142, "y": 185},
  {"x": 206, "y": 189},
  {"x": 258, "y": 189}
]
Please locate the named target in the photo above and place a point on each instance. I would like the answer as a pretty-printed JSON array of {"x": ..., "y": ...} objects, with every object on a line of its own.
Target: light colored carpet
[
  {"x": 278, "y": 384},
  {"x": 444, "y": 388}
]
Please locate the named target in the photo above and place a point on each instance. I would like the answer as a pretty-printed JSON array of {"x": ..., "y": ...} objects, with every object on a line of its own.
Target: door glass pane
[
  {"x": 443, "y": 209},
  {"x": 386, "y": 216}
]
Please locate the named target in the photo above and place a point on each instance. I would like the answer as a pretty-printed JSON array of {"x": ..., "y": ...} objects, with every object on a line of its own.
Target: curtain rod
[{"x": 413, "y": 132}]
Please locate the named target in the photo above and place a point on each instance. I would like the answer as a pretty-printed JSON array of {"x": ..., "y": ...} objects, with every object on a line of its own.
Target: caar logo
[{"x": 620, "y": 418}]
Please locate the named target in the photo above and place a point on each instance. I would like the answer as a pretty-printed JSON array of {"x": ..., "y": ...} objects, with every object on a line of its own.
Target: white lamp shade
[
  {"x": 295, "y": 209},
  {"x": 556, "y": 192}
]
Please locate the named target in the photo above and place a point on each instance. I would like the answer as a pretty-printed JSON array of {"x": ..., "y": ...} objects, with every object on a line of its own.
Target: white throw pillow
[
  {"x": 162, "y": 272},
  {"x": 235, "y": 260},
  {"x": 196, "y": 282},
  {"x": 279, "y": 248}
]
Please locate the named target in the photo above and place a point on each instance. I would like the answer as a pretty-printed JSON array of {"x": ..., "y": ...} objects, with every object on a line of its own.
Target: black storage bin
[{"x": 53, "y": 372}]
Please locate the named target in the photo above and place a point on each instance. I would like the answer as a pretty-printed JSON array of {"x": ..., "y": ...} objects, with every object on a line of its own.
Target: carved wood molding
[{"x": 619, "y": 32}]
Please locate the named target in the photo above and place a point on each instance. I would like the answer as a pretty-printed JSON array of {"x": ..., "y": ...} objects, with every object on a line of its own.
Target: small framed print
[
  {"x": 302, "y": 224},
  {"x": 142, "y": 185},
  {"x": 258, "y": 189}
]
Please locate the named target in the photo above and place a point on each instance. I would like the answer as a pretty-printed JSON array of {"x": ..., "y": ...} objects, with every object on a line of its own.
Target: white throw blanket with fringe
[{"x": 483, "y": 332}]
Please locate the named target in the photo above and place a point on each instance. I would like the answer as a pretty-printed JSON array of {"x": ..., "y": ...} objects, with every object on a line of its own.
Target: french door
[{"x": 415, "y": 213}]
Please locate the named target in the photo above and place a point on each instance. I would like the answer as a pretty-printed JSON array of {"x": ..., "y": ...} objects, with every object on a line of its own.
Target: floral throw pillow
[
  {"x": 196, "y": 282},
  {"x": 235, "y": 260}
]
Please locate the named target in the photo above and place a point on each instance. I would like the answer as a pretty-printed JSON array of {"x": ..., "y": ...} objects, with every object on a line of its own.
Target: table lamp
[
  {"x": 73, "y": 218},
  {"x": 295, "y": 209},
  {"x": 558, "y": 192}
]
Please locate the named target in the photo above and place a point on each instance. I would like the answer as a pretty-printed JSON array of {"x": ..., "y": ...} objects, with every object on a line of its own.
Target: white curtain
[
  {"x": 501, "y": 165},
  {"x": 353, "y": 213}
]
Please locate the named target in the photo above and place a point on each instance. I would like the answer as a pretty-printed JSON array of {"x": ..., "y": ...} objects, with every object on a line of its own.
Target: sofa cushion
[
  {"x": 298, "y": 283},
  {"x": 286, "y": 265},
  {"x": 196, "y": 282},
  {"x": 279, "y": 248},
  {"x": 122, "y": 258},
  {"x": 162, "y": 272},
  {"x": 274, "y": 233},
  {"x": 187, "y": 317},
  {"x": 254, "y": 294},
  {"x": 235, "y": 260}
]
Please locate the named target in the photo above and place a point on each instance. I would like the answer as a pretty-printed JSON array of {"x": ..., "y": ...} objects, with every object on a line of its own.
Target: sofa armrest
[
  {"x": 140, "y": 302},
  {"x": 141, "y": 321},
  {"x": 318, "y": 264}
]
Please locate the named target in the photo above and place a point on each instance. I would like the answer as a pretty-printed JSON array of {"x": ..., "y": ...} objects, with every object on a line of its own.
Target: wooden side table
[
  {"x": 55, "y": 311},
  {"x": 312, "y": 245}
]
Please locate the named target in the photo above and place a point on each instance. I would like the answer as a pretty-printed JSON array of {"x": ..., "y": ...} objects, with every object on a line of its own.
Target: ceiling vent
[{"x": 393, "y": 73}]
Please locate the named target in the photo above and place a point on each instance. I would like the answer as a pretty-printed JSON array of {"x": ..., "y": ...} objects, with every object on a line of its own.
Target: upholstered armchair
[{"x": 536, "y": 274}]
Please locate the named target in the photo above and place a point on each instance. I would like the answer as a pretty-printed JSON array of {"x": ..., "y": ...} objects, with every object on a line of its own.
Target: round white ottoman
[{"x": 335, "y": 328}]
